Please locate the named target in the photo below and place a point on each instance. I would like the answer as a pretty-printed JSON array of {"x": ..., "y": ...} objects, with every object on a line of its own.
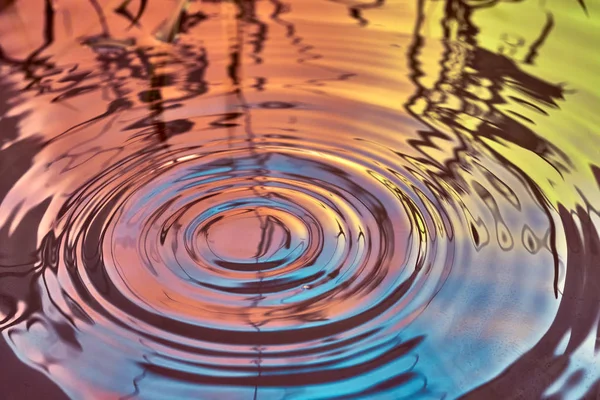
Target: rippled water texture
[{"x": 299, "y": 200}]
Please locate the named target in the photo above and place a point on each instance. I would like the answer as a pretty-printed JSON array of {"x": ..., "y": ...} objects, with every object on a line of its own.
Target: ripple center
[{"x": 252, "y": 238}]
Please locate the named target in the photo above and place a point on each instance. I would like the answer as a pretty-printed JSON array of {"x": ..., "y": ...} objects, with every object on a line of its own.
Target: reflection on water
[{"x": 300, "y": 200}]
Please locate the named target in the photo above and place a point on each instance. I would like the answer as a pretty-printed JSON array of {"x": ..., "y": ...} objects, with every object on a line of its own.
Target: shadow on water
[
  {"x": 147, "y": 90},
  {"x": 18, "y": 255},
  {"x": 465, "y": 65}
]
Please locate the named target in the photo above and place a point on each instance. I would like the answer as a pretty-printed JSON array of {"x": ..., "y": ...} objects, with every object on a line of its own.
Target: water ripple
[{"x": 239, "y": 200}]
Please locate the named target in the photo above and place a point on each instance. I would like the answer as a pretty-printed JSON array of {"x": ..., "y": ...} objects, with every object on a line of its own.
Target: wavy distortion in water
[{"x": 300, "y": 200}]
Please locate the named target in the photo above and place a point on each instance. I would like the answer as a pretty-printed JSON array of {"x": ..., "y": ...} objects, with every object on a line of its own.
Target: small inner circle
[
  {"x": 252, "y": 238},
  {"x": 249, "y": 235}
]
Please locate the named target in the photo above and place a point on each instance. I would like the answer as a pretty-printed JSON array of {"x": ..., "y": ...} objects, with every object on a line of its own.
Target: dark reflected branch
[
  {"x": 535, "y": 46},
  {"x": 135, "y": 20},
  {"x": 582, "y": 4},
  {"x": 101, "y": 17}
]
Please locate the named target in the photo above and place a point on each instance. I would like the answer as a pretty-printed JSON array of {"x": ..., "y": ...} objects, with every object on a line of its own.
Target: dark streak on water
[{"x": 304, "y": 200}]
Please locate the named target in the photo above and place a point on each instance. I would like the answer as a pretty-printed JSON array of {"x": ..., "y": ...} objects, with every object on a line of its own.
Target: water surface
[{"x": 299, "y": 200}]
